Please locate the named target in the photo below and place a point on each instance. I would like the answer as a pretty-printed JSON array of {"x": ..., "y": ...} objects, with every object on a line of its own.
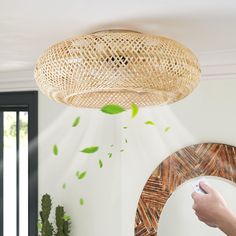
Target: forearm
[{"x": 228, "y": 223}]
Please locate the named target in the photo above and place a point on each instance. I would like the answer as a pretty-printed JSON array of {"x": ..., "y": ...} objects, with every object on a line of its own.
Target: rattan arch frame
[
  {"x": 117, "y": 66},
  {"x": 208, "y": 159}
]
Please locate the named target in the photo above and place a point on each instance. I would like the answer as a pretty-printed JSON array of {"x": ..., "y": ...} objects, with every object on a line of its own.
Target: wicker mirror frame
[{"x": 208, "y": 159}]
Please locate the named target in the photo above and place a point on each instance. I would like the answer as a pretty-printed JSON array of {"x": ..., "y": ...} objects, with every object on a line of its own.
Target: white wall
[{"x": 111, "y": 194}]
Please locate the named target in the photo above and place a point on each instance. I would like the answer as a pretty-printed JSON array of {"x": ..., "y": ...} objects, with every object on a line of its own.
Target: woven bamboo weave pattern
[
  {"x": 208, "y": 159},
  {"x": 117, "y": 67}
]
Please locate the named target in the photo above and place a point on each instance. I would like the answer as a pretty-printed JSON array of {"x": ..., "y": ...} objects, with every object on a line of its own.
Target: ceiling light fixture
[{"x": 117, "y": 67}]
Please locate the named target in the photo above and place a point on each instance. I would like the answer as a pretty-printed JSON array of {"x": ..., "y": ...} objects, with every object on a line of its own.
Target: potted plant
[{"x": 62, "y": 221}]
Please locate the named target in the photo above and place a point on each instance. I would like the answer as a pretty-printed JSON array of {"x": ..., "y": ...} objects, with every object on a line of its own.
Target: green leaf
[
  {"x": 166, "y": 129},
  {"x": 112, "y": 109},
  {"x": 40, "y": 226},
  {"x": 100, "y": 163},
  {"x": 66, "y": 217},
  {"x": 149, "y": 122},
  {"x": 76, "y": 122},
  {"x": 82, "y": 175},
  {"x": 64, "y": 186},
  {"x": 125, "y": 127},
  {"x": 55, "y": 150},
  {"x": 134, "y": 108},
  {"x": 90, "y": 149},
  {"x": 121, "y": 150},
  {"x": 81, "y": 201},
  {"x": 126, "y": 141},
  {"x": 109, "y": 154}
]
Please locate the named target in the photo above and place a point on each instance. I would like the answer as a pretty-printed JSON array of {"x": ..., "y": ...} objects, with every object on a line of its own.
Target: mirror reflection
[{"x": 178, "y": 217}]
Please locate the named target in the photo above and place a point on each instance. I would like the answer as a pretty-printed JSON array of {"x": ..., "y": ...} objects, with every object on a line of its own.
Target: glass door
[
  {"x": 18, "y": 169},
  {"x": 15, "y": 174}
]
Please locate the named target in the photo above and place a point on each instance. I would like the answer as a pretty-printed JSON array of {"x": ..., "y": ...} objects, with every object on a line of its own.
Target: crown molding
[
  {"x": 218, "y": 64},
  {"x": 22, "y": 80},
  {"x": 214, "y": 65}
]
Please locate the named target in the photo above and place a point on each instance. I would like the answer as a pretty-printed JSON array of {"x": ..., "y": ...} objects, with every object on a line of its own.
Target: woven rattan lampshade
[{"x": 117, "y": 67}]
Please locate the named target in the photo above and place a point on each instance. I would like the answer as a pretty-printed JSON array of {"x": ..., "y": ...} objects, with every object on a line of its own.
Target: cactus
[
  {"x": 46, "y": 205},
  {"x": 66, "y": 229},
  {"x": 59, "y": 220},
  {"x": 62, "y": 222}
]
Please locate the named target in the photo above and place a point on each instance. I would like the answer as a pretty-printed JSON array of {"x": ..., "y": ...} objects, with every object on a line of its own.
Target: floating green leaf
[
  {"x": 134, "y": 109},
  {"x": 126, "y": 141},
  {"x": 55, "y": 150},
  {"x": 149, "y": 122},
  {"x": 64, "y": 186},
  {"x": 100, "y": 163},
  {"x": 166, "y": 129},
  {"x": 76, "y": 122},
  {"x": 125, "y": 127},
  {"x": 66, "y": 217},
  {"x": 112, "y": 109},
  {"x": 82, "y": 175},
  {"x": 39, "y": 225},
  {"x": 90, "y": 149},
  {"x": 109, "y": 154},
  {"x": 121, "y": 150},
  {"x": 81, "y": 201}
]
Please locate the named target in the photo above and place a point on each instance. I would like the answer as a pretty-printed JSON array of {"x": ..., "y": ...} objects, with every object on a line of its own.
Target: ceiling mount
[{"x": 116, "y": 31}]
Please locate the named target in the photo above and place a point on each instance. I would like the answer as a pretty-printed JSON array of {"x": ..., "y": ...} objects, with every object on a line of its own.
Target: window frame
[{"x": 23, "y": 101}]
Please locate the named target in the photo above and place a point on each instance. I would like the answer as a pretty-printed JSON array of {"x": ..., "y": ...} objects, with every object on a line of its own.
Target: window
[{"x": 18, "y": 163}]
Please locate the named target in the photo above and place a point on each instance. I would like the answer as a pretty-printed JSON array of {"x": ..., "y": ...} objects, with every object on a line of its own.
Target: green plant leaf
[
  {"x": 121, "y": 150},
  {"x": 125, "y": 127},
  {"x": 40, "y": 226},
  {"x": 100, "y": 163},
  {"x": 149, "y": 122},
  {"x": 55, "y": 150},
  {"x": 109, "y": 155},
  {"x": 126, "y": 141},
  {"x": 66, "y": 217},
  {"x": 82, "y": 175},
  {"x": 64, "y": 186},
  {"x": 76, "y": 122},
  {"x": 112, "y": 109},
  {"x": 166, "y": 129},
  {"x": 134, "y": 109},
  {"x": 81, "y": 201},
  {"x": 91, "y": 149}
]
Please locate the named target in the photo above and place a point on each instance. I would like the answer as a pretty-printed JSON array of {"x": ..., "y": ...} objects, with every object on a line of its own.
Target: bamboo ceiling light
[{"x": 117, "y": 67}]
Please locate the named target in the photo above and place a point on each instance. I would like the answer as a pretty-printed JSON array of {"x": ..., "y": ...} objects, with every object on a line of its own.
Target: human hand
[{"x": 210, "y": 208}]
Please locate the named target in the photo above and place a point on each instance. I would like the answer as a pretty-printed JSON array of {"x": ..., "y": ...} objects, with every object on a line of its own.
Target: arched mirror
[{"x": 170, "y": 182}]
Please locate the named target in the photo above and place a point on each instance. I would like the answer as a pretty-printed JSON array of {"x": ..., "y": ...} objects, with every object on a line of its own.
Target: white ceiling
[{"x": 28, "y": 27}]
